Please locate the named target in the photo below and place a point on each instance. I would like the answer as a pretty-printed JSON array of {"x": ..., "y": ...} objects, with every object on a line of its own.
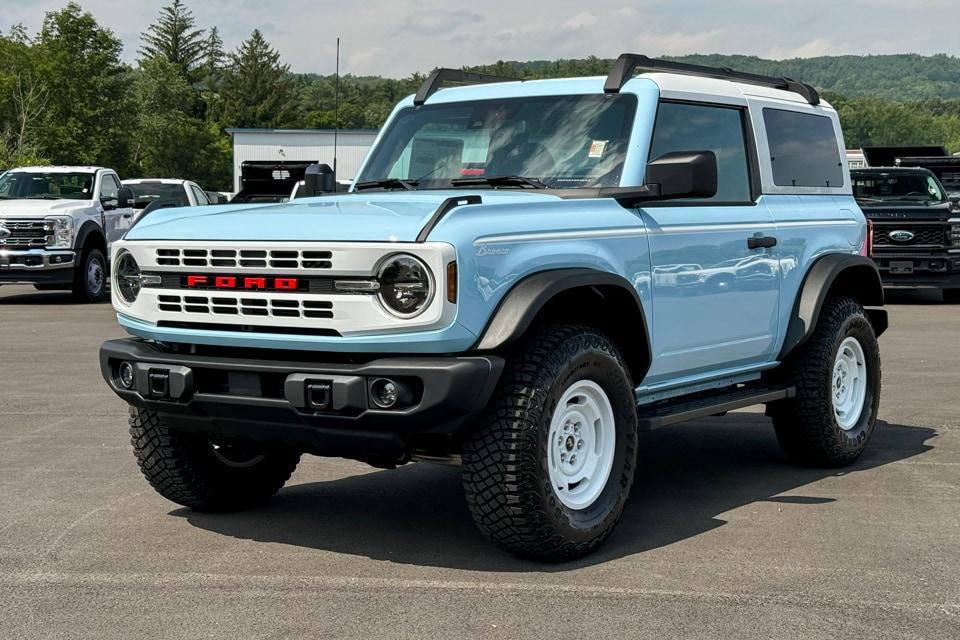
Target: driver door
[
  {"x": 715, "y": 287},
  {"x": 116, "y": 219}
]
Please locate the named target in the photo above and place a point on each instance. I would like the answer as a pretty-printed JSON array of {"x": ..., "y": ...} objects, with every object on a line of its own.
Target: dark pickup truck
[{"x": 916, "y": 237}]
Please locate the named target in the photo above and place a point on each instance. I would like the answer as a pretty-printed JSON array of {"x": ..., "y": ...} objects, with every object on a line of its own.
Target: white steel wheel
[
  {"x": 581, "y": 444},
  {"x": 848, "y": 388}
]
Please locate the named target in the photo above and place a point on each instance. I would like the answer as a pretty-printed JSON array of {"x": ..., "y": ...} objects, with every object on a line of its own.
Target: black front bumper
[
  {"x": 320, "y": 407},
  {"x": 925, "y": 271}
]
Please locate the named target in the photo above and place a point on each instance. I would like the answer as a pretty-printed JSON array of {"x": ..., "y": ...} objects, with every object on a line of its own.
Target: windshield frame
[
  {"x": 634, "y": 117},
  {"x": 857, "y": 175},
  {"x": 90, "y": 195}
]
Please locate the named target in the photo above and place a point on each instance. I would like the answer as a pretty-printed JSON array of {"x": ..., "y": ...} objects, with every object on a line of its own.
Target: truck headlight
[
  {"x": 126, "y": 277},
  {"x": 406, "y": 285},
  {"x": 61, "y": 228},
  {"x": 955, "y": 232}
]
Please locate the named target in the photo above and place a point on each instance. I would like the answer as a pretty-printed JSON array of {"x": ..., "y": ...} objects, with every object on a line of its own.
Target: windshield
[
  {"x": 559, "y": 141},
  {"x": 920, "y": 187},
  {"x": 144, "y": 193},
  {"x": 29, "y": 185}
]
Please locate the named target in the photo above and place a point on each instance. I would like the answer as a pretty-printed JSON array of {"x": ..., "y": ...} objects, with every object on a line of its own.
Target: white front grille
[
  {"x": 228, "y": 305},
  {"x": 269, "y": 259},
  {"x": 319, "y": 309}
]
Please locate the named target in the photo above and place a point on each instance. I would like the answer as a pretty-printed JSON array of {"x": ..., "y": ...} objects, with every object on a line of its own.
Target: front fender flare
[
  {"x": 520, "y": 306},
  {"x": 851, "y": 274}
]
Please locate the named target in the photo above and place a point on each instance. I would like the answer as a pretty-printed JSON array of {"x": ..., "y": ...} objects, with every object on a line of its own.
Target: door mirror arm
[{"x": 678, "y": 174}]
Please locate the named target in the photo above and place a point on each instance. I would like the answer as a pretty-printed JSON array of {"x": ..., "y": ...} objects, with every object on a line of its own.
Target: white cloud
[{"x": 398, "y": 37}]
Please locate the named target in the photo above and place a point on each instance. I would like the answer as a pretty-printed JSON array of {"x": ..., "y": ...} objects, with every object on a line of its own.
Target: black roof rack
[
  {"x": 439, "y": 76},
  {"x": 627, "y": 63}
]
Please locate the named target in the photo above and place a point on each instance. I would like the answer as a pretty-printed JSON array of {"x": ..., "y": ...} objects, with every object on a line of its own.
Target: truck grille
[
  {"x": 234, "y": 305},
  {"x": 933, "y": 234},
  {"x": 27, "y": 233},
  {"x": 248, "y": 258}
]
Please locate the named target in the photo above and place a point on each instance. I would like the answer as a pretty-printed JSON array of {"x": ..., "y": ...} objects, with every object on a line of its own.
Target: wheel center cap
[{"x": 569, "y": 443}]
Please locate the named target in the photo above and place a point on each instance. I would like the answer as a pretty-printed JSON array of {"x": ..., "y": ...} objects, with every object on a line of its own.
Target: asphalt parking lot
[{"x": 721, "y": 538}]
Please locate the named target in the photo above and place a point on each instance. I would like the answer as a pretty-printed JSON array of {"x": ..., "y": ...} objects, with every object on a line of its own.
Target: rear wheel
[
  {"x": 90, "y": 277},
  {"x": 202, "y": 474},
  {"x": 837, "y": 377},
  {"x": 549, "y": 468}
]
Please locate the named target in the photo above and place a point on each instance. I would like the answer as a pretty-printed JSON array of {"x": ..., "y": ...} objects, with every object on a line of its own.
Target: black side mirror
[
  {"x": 317, "y": 180},
  {"x": 124, "y": 197},
  {"x": 678, "y": 174},
  {"x": 684, "y": 174}
]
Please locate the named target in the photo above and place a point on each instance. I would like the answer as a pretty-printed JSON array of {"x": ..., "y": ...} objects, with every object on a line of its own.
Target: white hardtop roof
[
  {"x": 59, "y": 169},
  {"x": 154, "y": 180},
  {"x": 668, "y": 83}
]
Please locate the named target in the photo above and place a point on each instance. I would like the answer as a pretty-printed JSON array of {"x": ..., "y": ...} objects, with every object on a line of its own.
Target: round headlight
[
  {"x": 406, "y": 285},
  {"x": 127, "y": 279}
]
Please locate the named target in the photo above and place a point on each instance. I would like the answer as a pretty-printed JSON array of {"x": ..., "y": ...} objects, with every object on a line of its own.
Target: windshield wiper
[
  {"x": 500, "y": 181},
  {"x": 46, "y": 196},
  {"x": 388, "y": 183}
]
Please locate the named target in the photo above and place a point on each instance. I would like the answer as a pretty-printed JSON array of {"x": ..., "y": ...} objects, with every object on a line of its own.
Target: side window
[
  {"x": 200, "y": 196},
  {"x": 109, "y": 187},
  {"x": 696, "y": 127},
  {"x": 803, "y": 149}
]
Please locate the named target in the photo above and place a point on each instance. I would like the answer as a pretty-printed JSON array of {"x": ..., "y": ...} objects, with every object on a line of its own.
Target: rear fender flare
[{"x": 844, "y": 273}]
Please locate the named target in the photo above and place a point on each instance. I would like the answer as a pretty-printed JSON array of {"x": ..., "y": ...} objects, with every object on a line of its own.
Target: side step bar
[{"x": 674, "y": 411}]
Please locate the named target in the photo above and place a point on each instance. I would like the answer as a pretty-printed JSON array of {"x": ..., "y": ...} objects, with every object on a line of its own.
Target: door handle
[{"x": 761, "y": 242}]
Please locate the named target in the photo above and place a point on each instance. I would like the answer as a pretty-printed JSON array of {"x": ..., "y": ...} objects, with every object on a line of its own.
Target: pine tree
[
  {"x": 213, "y": 49},
  {"x": 174, "y": 38},
  {"x": 257, "y": 89}
]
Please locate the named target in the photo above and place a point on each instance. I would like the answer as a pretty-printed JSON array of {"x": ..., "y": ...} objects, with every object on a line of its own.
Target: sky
[{"x": 395, "y": 38}]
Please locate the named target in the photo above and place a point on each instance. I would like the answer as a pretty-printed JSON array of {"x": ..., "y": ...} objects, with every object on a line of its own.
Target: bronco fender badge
[{"x": 900, "y": 235}]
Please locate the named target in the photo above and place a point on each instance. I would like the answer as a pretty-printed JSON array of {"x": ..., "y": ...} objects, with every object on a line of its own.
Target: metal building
[{"x": 315, "y": 145}]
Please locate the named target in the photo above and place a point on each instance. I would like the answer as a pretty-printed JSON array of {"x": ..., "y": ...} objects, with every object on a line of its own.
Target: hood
[
  {"x": 40, "y": 208},
  {"x": 905, "y": 211},
  {"x": 374, "y": 217}
]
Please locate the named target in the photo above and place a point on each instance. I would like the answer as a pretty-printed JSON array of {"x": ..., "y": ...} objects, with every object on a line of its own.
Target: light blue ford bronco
[{"x": 524, "y": 275}]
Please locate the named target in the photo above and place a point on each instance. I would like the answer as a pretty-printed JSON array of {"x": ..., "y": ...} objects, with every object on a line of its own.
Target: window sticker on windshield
[{"x": 597, "y": 147}]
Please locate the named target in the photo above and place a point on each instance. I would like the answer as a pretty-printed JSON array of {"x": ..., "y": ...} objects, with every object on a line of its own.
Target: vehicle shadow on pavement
[
  {"x": 688, "y": 476},
  {"x": 912, "y": 296},
  {"x": 38, "y": 298}
]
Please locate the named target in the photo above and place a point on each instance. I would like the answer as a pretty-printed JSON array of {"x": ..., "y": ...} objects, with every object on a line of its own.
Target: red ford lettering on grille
[{"x": 246, "y": 283}]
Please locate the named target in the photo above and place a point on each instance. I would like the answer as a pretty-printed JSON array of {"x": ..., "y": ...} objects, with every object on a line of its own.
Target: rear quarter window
[{"x": 803, "y": 149}]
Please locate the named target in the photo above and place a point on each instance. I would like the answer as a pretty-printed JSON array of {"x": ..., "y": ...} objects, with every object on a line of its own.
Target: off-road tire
[
  {"x": 806, "y": 425},
  {"x": 505, "y": 474},
  {"x": 182, "y": 468},
  {"x": 951, "y": 296},
  {"x": 82, "y": 290}
]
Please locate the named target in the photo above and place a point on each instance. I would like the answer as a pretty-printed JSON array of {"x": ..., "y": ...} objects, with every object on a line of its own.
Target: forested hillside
[{"x": 66, "y": 97}]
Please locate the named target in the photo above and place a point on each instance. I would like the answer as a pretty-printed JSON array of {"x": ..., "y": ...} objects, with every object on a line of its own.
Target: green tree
[
  {"x": 87, "y": 115},
  {"x": 175, "y": 38},
  {"x": 257, "y": 89},
  {"x": 171, "y": 141},
  {"x": 23, "y": 99}
]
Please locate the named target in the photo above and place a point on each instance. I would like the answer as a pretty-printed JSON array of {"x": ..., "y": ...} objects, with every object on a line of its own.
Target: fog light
[
  {"x": 126, "y": 375},
  {"x": 384, "y": 393}
]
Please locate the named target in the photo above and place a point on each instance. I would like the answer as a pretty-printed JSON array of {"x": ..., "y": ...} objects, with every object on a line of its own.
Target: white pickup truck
[
  {"x": 57, "y": 225},
  {"x": 150, "y": 194}
]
